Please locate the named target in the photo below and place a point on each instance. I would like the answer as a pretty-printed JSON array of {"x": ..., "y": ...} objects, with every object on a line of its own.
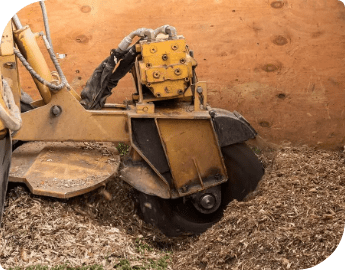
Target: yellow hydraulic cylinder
[{"x": 27, "y": 44}]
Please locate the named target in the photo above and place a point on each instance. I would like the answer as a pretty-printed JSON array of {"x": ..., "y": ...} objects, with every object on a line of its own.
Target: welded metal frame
[{"x": 59, "y": 117}]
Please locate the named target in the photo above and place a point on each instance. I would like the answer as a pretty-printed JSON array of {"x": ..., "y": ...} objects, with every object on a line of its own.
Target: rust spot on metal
[
  {"x": 264, "y": 124},
  {"x": 280, "y": 40},
  {"x": 277, "y": 4},
  {"x": 85, "y": 9},
  {"x": 214, "y": 172},
  {"x": 10, "y": 65},
  {"x": 82, "y": 39}
]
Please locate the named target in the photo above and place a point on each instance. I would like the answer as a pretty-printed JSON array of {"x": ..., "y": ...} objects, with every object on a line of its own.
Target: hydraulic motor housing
[{"x": 166, "y": 67}]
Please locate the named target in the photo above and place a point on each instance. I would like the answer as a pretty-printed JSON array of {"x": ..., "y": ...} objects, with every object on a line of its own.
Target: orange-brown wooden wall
[{"x": 279, "y": 63}]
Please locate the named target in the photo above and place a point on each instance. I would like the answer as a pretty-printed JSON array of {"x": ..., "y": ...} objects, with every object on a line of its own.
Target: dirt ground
[{"x": 294, "y": 220}]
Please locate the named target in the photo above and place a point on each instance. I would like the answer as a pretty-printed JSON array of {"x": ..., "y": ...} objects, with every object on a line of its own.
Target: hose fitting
[
  {"x": 148, "y": 33},
  {"x": 166, "y": 29},
  {"x": 140, "y": 32}
]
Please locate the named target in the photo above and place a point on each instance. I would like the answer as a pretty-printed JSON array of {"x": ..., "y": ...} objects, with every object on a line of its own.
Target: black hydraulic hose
[{"x": 51, "y": 86}]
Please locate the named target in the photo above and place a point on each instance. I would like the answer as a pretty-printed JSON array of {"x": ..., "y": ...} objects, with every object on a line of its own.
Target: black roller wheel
[
  {"x": 5, "y": 161},
  {"x": 244, "y": 172},
  {"x": 177, "y": 216}
]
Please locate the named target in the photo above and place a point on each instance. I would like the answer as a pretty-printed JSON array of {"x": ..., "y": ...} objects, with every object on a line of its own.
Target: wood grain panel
[{"x": 281, "y": 64}]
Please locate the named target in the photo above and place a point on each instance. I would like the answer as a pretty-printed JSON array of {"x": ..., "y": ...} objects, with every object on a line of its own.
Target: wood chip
[{"x": 292, "y": 221}]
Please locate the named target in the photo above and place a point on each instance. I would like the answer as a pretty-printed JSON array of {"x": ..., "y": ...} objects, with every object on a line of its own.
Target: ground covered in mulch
[{"x": 294, "y": 220}]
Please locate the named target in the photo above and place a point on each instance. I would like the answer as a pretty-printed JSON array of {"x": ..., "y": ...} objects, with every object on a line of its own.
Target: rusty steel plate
[
  {"x": 193, "y": 154},
  {"x": 64, "y": 170}
]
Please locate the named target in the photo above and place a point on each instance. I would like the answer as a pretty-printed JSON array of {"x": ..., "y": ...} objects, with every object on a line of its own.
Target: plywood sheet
[{"x": 279, "y": 63}]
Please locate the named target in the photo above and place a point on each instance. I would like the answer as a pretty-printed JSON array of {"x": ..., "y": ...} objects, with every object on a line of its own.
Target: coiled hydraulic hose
[
  {"x": 51, "y": 86},
  {"x": 49, "y": 46},
  {"x": 46, "y": 23}
]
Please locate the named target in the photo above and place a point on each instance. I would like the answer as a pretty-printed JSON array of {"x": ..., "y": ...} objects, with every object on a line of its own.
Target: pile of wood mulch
[{"x": 294, "y": 220}]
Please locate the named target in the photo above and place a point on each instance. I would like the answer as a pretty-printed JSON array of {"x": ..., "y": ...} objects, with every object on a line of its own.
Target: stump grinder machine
[{"x": 186, "y": 160}]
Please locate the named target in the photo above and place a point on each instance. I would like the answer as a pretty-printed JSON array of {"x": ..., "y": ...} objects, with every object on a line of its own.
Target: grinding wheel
[{"x": 178, "y": 216}]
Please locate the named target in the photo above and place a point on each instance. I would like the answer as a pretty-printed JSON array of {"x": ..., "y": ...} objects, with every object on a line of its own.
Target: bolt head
[
  {"x": 177, "y": 71},
  {"x": 56, "y": 110},
  {"x": 207, "y": 201},
  {"x": 164, "y": 57},
  {"x": 212, "y": 113}
]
